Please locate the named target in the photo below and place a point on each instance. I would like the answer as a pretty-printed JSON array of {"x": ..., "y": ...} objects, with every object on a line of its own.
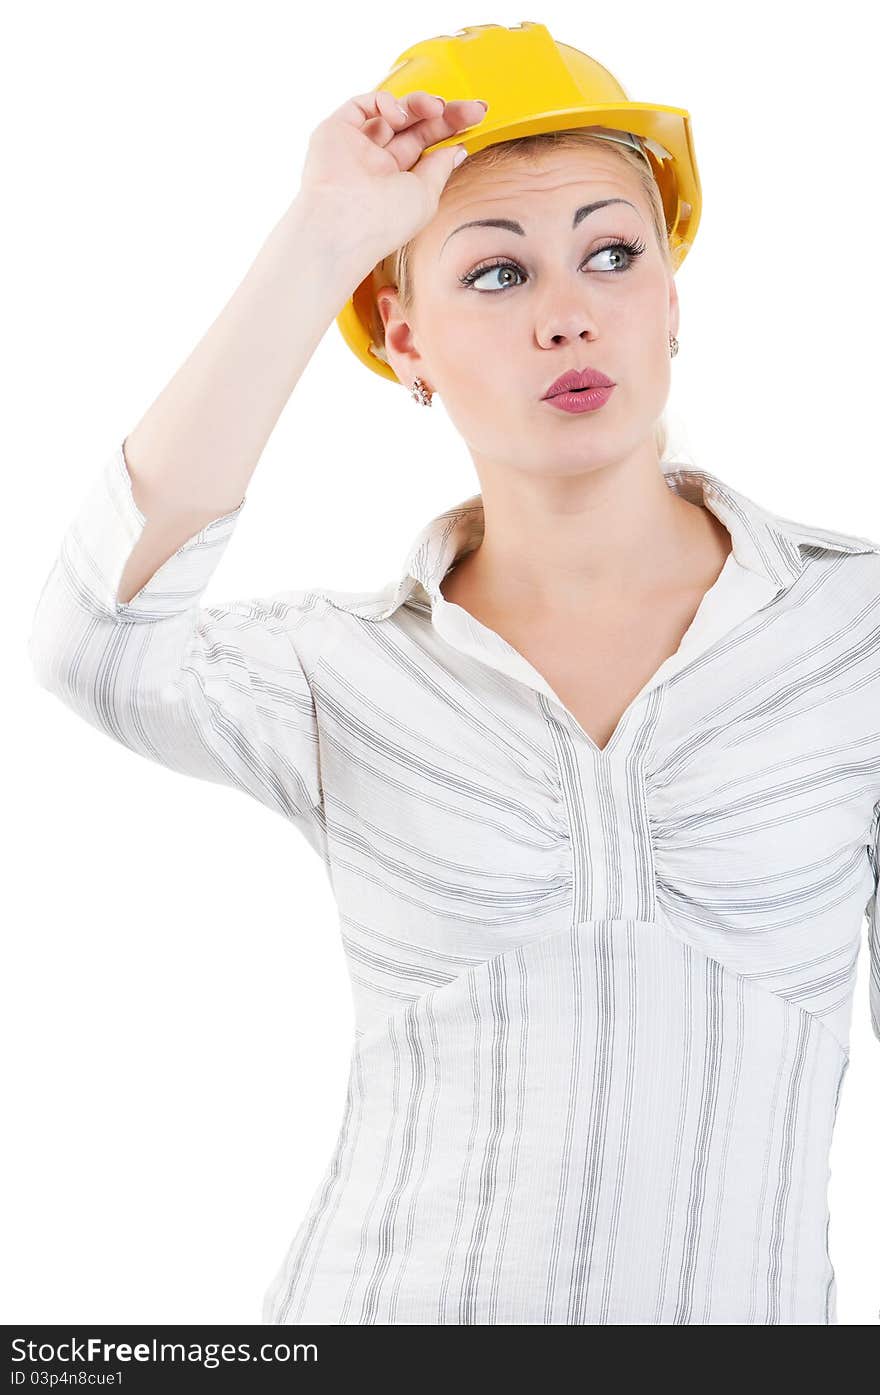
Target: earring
[
  {"x": 421, "y": 393},
  {"x": 673, "y": 346}
]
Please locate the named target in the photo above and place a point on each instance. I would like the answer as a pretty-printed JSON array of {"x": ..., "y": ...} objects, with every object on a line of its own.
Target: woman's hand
[{"x": 363, "y": 164}]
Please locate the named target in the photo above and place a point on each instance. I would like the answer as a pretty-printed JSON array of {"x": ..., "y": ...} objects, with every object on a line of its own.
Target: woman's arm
[
  {"x": 193, "y": 453},
  {"x": 119, "y": 634}
]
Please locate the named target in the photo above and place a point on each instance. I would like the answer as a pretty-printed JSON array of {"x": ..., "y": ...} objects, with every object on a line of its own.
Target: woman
[{"x": 596, "y": 779}]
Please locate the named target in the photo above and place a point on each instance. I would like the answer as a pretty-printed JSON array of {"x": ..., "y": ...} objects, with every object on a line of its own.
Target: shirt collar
[{"x": 763, "y": 542}]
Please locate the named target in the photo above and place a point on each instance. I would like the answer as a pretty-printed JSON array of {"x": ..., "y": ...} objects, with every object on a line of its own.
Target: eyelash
[{"x": 632, "y": 249}]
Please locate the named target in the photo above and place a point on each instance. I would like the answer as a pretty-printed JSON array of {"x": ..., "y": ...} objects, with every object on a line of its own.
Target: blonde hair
[{"x": 396, "y": 269}]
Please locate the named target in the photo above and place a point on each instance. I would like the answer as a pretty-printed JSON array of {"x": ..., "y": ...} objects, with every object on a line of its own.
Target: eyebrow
[{"x": 512, "y": 226}]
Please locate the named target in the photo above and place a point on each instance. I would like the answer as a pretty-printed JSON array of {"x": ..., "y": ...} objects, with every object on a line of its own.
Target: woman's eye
[
  {"x": 507, "y": 269},
  {"x": 629, "y": 251}
]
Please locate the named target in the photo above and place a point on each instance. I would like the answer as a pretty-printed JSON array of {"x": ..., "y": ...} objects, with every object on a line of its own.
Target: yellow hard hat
[{"x": 533, "y": 84}]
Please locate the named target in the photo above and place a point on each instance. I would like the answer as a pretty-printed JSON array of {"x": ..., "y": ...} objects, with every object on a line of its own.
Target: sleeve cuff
[{"x": 100, "y": 540}]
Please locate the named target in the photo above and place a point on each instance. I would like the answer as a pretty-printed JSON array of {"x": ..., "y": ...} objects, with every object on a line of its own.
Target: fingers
[
  {"x": 423, "y": 106},
  {"x": 380, "y": 104},
  {"x": 382, "y": 117},
  {"x": 414, "y": 106},
  {"x": 428, "y": 121},
  {"x": 402, "y": 113}
]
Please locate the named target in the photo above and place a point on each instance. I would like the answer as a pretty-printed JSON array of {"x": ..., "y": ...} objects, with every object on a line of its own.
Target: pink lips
[
  {"x": 573, "y": 380},
  {"x": 586, "y": 400}
]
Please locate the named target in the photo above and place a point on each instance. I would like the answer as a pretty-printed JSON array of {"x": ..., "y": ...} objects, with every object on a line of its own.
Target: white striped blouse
[{"x": 603, "y": 996}]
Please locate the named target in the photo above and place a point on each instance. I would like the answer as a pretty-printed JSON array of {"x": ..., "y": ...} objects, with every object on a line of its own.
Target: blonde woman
[{"x": 596, "y": 776}]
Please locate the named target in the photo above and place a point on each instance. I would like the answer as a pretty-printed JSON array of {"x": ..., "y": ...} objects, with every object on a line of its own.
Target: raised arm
[
  {"x": 222, "y": 693},
  {"x": 192, "y": 455},
  {"x": 225, "y": 692}
]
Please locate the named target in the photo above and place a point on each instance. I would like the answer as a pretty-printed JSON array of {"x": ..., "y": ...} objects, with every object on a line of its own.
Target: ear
[{"x": 403, "y": 356}]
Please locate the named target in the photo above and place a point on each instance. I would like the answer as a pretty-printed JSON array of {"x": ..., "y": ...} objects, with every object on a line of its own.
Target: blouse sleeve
[
  {"x": 872, "y": 913},
  {"x": 219, "y": 692}
]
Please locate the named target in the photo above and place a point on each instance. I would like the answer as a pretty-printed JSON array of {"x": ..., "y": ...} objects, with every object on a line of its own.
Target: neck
[{"x": 551, "y": 543}]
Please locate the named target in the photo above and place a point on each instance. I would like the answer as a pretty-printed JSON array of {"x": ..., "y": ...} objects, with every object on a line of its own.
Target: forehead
[{"x": 532, "y": 184}]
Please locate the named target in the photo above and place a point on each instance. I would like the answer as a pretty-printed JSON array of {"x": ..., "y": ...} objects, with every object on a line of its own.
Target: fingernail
[
  {"x": 484, "y": 105},
  {"x": 459, "y": 156}
]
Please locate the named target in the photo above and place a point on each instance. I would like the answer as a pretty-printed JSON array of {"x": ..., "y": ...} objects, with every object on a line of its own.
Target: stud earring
[
  {"x": 673, "y": 346},
  {"x": 421, "y": 393}
]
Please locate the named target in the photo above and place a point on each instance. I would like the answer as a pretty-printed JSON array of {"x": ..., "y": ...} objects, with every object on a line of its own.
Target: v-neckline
[{"x": 713, "y": 617}]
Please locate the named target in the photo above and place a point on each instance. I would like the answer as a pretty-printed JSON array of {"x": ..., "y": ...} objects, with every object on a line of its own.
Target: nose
[
  {"x": 585, "y": 333},
  {"x": 566, "y": 321}
]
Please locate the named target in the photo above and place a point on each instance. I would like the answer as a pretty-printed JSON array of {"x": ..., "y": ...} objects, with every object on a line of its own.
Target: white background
[{"x": 176, "y": 1014}]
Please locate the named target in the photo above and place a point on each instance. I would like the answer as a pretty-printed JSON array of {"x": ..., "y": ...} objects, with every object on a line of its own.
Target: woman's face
[{"x": 492, "y": 348}]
